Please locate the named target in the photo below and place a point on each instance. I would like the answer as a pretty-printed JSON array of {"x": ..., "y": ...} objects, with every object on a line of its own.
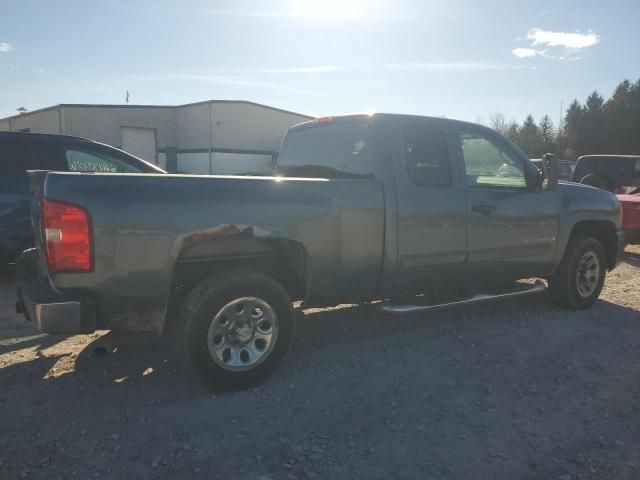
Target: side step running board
[{"x": 537, "y": 287}]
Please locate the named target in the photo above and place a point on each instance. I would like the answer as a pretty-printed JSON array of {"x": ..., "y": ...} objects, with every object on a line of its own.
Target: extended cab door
[
  {"x": 512, "y": 229},
  {"x": 431, "y": 207}
]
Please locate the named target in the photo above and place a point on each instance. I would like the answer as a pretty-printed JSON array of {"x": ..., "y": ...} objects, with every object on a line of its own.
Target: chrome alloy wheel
[
  {"x": 242, "y": 334},
  {"x": 588, "y": 274}
]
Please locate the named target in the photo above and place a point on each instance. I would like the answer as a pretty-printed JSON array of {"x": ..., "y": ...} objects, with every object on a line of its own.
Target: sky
[{"x": 460, "y": 59}]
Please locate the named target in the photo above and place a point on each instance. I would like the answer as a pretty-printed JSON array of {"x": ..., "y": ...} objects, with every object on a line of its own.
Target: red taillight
[
  {"x": 66, "y": 236},
  {"x": 321, "y": 120}
]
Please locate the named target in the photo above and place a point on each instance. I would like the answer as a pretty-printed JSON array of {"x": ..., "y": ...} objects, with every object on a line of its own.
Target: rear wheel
[
  {"x": 580, "y": 277},
  {"x": 237, "y": 327}
]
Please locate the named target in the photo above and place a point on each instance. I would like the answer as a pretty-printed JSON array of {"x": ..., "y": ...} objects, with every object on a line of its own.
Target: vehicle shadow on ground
[
  {"x": 38, "y": 340},
  {"x": 16, "y": 333},
  {"x": 143, "y": 365},
  {"x": 632, "y": 258}
]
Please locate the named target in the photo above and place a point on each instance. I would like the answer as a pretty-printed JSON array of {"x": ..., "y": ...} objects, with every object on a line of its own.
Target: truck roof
[
  {"x": 604, "y": 155},
  {"x": 368, "y": 117},
  {"x": 44, "y": 136}
]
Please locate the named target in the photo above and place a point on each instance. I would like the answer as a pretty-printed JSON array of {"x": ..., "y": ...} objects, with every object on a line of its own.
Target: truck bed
[{"x": 144, "y": 226}]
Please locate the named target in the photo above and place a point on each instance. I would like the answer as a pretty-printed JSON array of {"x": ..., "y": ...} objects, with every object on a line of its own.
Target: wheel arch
[
  {"x": 605, "y": 232},
  {"x": 285, "y": 261}
]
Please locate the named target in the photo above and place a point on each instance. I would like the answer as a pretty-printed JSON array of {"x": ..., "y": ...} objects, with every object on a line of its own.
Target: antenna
[{"x": 560, "y": 120}]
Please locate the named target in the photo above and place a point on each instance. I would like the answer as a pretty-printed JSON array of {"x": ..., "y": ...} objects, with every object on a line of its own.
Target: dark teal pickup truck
[{"x": 362, "y": 208}]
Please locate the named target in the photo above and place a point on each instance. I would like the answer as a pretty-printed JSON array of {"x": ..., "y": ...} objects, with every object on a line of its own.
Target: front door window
[{"x": 490, "y": 163}]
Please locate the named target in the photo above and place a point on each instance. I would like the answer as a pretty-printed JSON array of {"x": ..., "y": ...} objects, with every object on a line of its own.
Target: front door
[
  {"x": 431, "y": 209},
  {"x": 512, "y": 230}
]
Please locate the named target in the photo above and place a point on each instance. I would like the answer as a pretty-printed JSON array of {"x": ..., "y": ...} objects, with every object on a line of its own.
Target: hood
[
  {"x": 586, "y": 192},
  {"x": 635, "y": 198}
]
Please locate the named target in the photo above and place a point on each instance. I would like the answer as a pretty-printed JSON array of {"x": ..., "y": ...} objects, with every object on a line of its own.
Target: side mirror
[
  {"x": 534, "y": 178},
  {"x": 550, "y": 170}
]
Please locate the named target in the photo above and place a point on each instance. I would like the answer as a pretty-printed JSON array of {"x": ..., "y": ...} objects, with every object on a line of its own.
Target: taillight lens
[{"x": 66, "y": 236}]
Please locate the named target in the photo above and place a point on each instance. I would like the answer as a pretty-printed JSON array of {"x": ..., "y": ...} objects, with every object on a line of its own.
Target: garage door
[{"x": 140, "y": 142}]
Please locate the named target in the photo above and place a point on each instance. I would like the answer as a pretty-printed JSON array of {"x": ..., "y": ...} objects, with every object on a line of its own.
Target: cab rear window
[{"x": 340, "y": 150}]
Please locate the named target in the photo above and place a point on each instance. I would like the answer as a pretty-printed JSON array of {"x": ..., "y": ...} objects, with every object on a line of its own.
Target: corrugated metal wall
[
  {"x": 43, "y": 121},
  {"x": 250, "y": 127},
  {"x": 103, "y": 123},
  {"x": 192, "y": 124},
  {"x": 226, "y": 137}
]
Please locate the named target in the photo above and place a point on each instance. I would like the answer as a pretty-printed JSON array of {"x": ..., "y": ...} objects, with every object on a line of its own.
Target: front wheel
[
  {"x": 580, "y": 277},
  {"x": 236, "y": 328}
]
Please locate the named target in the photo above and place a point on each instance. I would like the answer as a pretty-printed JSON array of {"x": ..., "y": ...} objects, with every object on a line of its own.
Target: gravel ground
[{"x": 517, "y": 389}]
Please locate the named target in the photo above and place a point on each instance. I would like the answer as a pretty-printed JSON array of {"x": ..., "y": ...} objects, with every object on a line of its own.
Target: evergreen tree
[
  {"x": 546, "y": 135},
  {"x": 528, "y": 139},
  {"x": 573, "y": 122},
  {"x": 595, "y": 138},
  {"x": 513, "y": 131},
  {"x": 597, "y": 126}
]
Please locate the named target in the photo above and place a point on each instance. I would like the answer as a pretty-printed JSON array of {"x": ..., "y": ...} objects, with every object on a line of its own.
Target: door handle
[{"x": 484, "y": 208}]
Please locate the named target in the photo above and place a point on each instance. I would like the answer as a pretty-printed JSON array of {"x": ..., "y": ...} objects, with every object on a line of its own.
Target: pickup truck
[{"x": 362, "y": 208}]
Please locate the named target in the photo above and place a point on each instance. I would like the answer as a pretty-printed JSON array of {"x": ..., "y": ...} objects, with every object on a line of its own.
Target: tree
[
  {"x": 528, "y": 139},
  {"x": 546, "y": 135},
  {"x": 513, "y": 130},
  {"x": 597, "y": 126},
  {"x": 498, "y": 122},
  {"x": 594, "y": 102},
  {"x": 621, "y": 122},
  {"x": 573, "y": 128},
  {"x": 594, "y": 139}
]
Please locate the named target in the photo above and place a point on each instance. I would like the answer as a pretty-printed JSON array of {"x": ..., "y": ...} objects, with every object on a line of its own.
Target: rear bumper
[{"x": 51, "y": 311}]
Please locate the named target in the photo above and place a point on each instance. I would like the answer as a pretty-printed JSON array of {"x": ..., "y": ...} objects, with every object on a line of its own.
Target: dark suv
[
  {"x": 20, "y": 152},
  {"x": 615, "y": 173}
]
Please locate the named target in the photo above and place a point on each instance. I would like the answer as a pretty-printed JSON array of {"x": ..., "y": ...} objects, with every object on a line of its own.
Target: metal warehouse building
[{"x": 211, "y": 137}]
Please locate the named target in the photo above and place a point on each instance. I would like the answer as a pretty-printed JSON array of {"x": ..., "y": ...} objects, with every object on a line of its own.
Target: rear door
[
  {"x": 431, "y": 207},
  {"x": 512, "y": 230}
]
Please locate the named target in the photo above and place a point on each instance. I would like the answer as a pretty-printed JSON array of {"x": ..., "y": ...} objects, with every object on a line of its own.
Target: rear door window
[
  {"x": 426, "y": 155},
  {"x": 339, "y": 150}
]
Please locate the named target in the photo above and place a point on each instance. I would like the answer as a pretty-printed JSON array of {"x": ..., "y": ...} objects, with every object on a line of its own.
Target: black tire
[
  {"x": 27, "y": 265},
  {"x": 564, "y": 284},
  {"x": 207, "y": 300}
]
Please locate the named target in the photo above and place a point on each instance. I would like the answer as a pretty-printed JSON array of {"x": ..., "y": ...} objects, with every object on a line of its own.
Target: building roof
[{"x": 95, "y": 105}]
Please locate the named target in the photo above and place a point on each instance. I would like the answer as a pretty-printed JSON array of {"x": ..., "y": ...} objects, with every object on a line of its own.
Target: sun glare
[{"x": 328, "y": 9}]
